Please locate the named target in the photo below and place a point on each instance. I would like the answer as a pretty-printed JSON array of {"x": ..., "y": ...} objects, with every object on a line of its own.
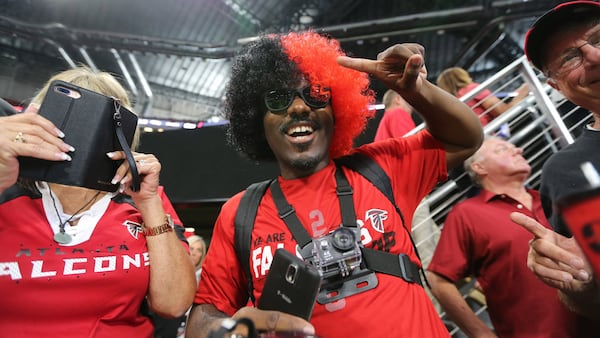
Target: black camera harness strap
[
  {"x": 398, "y": 265},
  {"x": 359, "y": 279}
]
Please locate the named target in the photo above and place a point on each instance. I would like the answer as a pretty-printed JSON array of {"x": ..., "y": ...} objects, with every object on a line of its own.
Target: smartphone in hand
[
  {"x": 88, "y": 120},
  {"x": 292, "y": 285}
]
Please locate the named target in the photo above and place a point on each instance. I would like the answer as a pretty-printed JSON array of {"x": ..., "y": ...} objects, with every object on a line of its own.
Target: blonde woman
[
  {"x": 198, "y": 252},
  {"x": 77, "y": 262}
]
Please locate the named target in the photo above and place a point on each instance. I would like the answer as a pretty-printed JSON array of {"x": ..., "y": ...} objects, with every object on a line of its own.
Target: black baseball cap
[{"x": 551, "y": 22}]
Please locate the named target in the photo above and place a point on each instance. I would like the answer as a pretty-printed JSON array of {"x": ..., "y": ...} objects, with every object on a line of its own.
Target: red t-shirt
[
  {"x": 92, "y": 289},
  {"x": 475, "y": 103},
  {"x": 395, "y": 307},
  {"x": 480, "y": 240},
  {"x": 394, "y": 123}
]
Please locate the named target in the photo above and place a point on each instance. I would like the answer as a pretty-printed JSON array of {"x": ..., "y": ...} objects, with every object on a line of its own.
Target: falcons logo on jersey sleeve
[
  {"x": 133, "y": 228},
  {"x": 376, "y": 216}
]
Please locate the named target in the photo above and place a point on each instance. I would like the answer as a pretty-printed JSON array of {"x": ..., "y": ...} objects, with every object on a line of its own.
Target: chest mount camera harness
[{"x": 347, "y": 266}]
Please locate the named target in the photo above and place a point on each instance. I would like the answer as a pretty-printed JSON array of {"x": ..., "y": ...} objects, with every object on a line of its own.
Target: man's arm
[
  {"x": 401, "y": 68},
  {"x": 456, "y": 307},
  {"x": 205, "y": 318},
  {"x": 450, "y": 121}
]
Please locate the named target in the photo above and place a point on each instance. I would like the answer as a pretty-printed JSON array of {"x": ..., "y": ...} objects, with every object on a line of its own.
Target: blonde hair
[
  {"x": 96, "y": 81},
  {"x": 453, "y": 79},
  {"x": 194, "y": 239}
]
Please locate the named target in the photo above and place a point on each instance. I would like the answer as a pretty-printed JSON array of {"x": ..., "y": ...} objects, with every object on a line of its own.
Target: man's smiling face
[
  {"x": 300, "y": 137},
  {"x": 580, "y": 85}
]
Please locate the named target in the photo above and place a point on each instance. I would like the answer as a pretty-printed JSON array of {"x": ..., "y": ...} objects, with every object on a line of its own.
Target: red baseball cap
[{"x": 552, "y": 21}]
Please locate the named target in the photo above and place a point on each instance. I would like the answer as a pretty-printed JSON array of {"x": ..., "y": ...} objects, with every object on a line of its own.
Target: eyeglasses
[
  {"x": 281, "y": 99},
  {"x": 572, "y": 57}
]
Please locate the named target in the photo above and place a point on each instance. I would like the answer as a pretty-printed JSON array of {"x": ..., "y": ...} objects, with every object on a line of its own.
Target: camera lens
[
  {"x": 343, "y": 239},
  {"x": 290, "y": 274},
  {"x": 63, "y": 90}
]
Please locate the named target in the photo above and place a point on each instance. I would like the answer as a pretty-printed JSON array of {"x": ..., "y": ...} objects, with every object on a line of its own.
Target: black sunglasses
[{"x": 314, "y": 96}]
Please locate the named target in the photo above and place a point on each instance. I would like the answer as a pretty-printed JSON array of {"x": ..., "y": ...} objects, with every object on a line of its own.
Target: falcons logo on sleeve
[
  {"x": 376, "y": 216},
  {"x": 133, "y": 228}
]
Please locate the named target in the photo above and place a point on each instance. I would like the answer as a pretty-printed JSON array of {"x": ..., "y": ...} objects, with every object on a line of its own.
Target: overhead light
[
  {"x": 305, "y": 19},
  {"x": 173, "y": 124},
  {"x": 156, "y": 125},
  {"x": 312, "y": 11}
]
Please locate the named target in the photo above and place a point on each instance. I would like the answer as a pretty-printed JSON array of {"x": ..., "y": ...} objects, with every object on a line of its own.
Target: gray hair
[{"x": 468, "y": 163}]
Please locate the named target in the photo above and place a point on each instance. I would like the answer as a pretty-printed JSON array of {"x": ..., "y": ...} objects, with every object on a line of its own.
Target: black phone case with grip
[
  {"x": 89, "y": 126},
  {"x": 292, "y": 285}
]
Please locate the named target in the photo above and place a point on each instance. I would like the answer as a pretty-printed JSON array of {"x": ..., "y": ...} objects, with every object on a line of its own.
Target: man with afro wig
[{"x": 296, "y": 98}]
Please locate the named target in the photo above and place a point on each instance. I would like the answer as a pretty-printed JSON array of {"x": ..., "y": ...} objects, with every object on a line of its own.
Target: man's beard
[{"x": 306, "y": 164}]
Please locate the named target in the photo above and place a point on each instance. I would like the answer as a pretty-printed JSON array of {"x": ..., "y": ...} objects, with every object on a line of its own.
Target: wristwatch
[{"x": 167, "y": 226}]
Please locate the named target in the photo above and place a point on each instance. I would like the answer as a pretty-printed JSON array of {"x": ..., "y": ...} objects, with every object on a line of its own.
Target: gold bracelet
[{"x": 167, "y": 226}]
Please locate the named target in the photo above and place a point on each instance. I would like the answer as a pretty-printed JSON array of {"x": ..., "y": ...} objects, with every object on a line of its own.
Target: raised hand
[
  {"x": 28, "y": 134},
  {"x": 557, "y": 260},
  {"x": 400, "y": 67}
]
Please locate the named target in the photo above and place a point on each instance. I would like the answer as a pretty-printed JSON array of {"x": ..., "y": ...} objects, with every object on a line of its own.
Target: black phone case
[
  {"x": 292, "y": 285},
  {"x": 89, "y": 126}
]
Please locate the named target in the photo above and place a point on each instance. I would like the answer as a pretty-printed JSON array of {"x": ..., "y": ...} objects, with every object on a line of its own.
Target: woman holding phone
[{"x": 78, "y": 262}]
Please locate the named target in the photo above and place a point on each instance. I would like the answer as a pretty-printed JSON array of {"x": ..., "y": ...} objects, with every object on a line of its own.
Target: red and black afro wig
[{"x": 277, "y": 61}]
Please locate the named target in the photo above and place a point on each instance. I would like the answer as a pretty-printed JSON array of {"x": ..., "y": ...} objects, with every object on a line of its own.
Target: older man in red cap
[{"x": 564, "y": 43}]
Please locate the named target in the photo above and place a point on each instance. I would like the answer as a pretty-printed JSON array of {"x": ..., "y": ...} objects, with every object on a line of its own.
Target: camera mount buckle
[{"x": 362, "y": 280}]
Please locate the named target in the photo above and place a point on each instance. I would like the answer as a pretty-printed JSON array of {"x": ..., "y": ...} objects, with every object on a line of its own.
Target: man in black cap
[{"x": 564, "y": 43}]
